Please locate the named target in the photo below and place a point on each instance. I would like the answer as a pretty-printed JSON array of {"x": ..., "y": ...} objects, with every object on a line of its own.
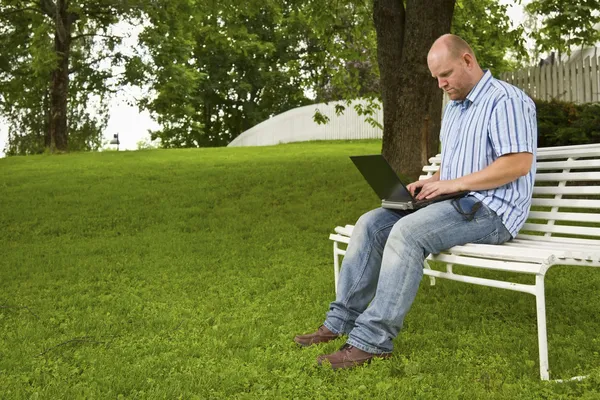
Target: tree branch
[
  {"x": 96, "y": 35},
  {"x": 89, "y": 64},
  {"x": 48, "y": 7},
  {"x": 14, "y": 11}
]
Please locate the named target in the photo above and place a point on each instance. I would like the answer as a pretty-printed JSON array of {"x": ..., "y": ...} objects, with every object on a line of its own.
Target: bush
[{"x": 563, "y": 123}]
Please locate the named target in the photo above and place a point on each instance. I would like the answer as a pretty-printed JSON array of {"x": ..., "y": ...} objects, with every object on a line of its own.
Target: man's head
[{"x": 452, "y": 62}]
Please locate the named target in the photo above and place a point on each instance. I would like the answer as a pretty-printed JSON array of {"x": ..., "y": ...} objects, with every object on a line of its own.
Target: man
[{"x": 489, "y": 140}]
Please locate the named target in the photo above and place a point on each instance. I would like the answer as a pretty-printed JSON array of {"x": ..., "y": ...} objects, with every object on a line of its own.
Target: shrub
[{"x": 563, "y": 123}]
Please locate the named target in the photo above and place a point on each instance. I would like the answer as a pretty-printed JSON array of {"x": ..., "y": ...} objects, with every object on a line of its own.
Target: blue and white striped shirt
[{"x": 495, "y": 119}]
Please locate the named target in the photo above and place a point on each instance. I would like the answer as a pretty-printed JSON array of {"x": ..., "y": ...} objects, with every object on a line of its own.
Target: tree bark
[
  {"x": 60, "y": 79},
  {"x": 412, "y": 100},
  {"x": 389, "y": 18}
]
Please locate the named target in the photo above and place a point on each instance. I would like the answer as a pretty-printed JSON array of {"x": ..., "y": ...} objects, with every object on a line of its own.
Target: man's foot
[
  {"x": 322, "y": 335},
  {"x": 349, "y": 357}
]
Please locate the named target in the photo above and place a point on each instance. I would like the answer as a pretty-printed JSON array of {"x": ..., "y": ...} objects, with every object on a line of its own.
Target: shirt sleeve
[{"x": 513, "y": 126}]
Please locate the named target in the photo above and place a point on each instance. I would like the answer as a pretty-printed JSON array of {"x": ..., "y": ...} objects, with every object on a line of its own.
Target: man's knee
[{"x": 375, "y": 224}]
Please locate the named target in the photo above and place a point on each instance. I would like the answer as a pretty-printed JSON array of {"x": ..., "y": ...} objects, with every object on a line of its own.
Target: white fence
[
  {"x": 575, "y": 81},
  {"x": 297, "y": 125}
]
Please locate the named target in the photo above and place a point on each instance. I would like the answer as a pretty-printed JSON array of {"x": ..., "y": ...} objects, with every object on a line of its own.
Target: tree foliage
[
  {"x": 560, "y": 25},
  {"x": 218, "y": 68},
  {"x": 485, "y": 25},
  {"x": 56, "y": 61}
]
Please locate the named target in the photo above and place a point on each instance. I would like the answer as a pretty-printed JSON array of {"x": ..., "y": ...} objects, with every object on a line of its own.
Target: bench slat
[
  {"x": 558, "y": 240},
  {"x": 573, "y": 190},
  {"x": 570, "y": 203},
  {"x": 568, "y": 176},
  {"x": 505, "y": 253},
  {"x": 563, "y": 216},
  {"x": 574, "y": 164},
  {"x": 567, "y": 244},
  {"x": 528, "y": 268},
  {"x": 564, "y": 152},
  {"x": 565, "y": 229}
]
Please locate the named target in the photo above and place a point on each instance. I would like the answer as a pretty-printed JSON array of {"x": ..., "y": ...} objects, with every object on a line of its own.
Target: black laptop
[{"x": 392, "y": 192}]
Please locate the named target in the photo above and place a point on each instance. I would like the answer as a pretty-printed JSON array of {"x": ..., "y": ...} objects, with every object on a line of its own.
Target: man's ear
[{"x": 468, "y": 60}]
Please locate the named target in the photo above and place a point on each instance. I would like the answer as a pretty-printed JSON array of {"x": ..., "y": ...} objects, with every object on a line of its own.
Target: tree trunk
[
  {"x": 412, "y": 100},
  {"x": 389, "y": 18},
  {"x": 46, "y": 125},
  {"x": 60, "y": 80}
]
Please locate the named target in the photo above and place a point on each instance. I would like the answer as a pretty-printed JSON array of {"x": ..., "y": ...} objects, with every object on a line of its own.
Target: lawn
[{"x": 186, "y": 274}]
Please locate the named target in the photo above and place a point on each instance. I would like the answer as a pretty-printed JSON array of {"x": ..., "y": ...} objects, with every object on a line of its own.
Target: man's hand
[
  {"x": 433, "y": 189},
  {"x": 416, "y": 186}
]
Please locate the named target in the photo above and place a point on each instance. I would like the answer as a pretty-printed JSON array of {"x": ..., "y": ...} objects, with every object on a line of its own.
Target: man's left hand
[{"x": 434, "y": 189}]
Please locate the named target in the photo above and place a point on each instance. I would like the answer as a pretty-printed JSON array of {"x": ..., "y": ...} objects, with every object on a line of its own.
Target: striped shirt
[{"x": 495, "y": 119}]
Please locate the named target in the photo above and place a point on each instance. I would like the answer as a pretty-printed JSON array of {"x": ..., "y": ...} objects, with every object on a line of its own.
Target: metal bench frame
[{"x": 566, "y": 178}]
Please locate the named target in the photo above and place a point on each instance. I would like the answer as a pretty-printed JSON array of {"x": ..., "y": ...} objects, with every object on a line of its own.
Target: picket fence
[{"x": 575, "y": 81}]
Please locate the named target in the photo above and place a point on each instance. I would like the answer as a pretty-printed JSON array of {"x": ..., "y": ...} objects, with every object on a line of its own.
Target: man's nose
[{"x": 442, "y": 83}]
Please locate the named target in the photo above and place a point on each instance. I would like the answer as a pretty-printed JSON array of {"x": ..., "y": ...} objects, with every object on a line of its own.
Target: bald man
[{"x": 489, "y": 140}]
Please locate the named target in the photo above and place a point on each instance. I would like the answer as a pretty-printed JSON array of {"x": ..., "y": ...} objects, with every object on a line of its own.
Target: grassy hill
[{"x": 186, "y": 273}]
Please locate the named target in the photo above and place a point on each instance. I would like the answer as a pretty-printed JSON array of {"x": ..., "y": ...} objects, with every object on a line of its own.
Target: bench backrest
[{"x": 566, "y": 196}]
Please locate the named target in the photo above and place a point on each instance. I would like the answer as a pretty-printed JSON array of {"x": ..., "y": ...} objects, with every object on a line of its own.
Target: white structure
[
  {"x": 298, "y": 125},
  {"x": 575, "y": 79}
]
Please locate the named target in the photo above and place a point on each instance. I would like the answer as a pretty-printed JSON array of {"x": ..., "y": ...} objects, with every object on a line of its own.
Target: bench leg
[
  {"x": 540, "y": 301},
  {"x": 431, "y": 278},
  {"x": 336, "y": 265}
]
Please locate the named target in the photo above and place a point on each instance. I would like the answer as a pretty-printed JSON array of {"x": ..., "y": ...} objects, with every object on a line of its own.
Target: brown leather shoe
[
  {"x": 322, "y": 335},
  {"x": 349, "y": 357}
]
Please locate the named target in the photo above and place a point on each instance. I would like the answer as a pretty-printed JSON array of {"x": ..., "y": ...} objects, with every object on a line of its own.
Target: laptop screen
[{"x": 382, "y": 178}]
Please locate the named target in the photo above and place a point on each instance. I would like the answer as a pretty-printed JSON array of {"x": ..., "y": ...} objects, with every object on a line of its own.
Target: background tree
[
  {"x": 560, "y": 25},
  {"x": 219, "y": 68},
  {"x": 56, "y": 60},
  {"x": 410, "y": 96},
  {"x": 485, "y": 25}
]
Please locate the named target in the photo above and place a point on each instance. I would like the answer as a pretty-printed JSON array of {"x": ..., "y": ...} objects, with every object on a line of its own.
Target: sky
[{"x": 133, "y": 125}]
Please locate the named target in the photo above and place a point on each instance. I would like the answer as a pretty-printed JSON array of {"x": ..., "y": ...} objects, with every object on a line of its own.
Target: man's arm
[{"x": 505, "y": 169}]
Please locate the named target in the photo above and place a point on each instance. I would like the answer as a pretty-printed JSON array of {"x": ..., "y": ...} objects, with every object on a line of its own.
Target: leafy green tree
[
  {"x": 560, "y": 25},
  {"x": 219, "y": 68},
  {"x": 485, "y": 25},
  {"x": 56, "y": 59}
]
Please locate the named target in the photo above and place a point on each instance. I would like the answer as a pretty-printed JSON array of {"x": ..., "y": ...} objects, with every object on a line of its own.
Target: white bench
[{"x": 562, "y": 229}]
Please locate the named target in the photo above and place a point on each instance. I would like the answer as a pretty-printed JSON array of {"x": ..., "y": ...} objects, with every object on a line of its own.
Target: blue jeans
[{"x": 383, "y": 266}]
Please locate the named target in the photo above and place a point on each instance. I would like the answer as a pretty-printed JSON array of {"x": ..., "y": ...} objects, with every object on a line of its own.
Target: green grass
[{"x": 186, "y": 274}]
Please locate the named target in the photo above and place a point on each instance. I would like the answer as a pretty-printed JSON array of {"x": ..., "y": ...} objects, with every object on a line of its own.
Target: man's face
[{"x": 451, "y": 73}]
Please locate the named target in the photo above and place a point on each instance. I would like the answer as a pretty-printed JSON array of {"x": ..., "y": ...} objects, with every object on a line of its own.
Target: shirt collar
[{"x": 475, "y": 93}]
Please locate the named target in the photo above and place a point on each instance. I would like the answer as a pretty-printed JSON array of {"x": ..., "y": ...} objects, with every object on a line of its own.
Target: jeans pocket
[
  {"x": 498, "y": 235},
  {"x": 470, "y": 207}
]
